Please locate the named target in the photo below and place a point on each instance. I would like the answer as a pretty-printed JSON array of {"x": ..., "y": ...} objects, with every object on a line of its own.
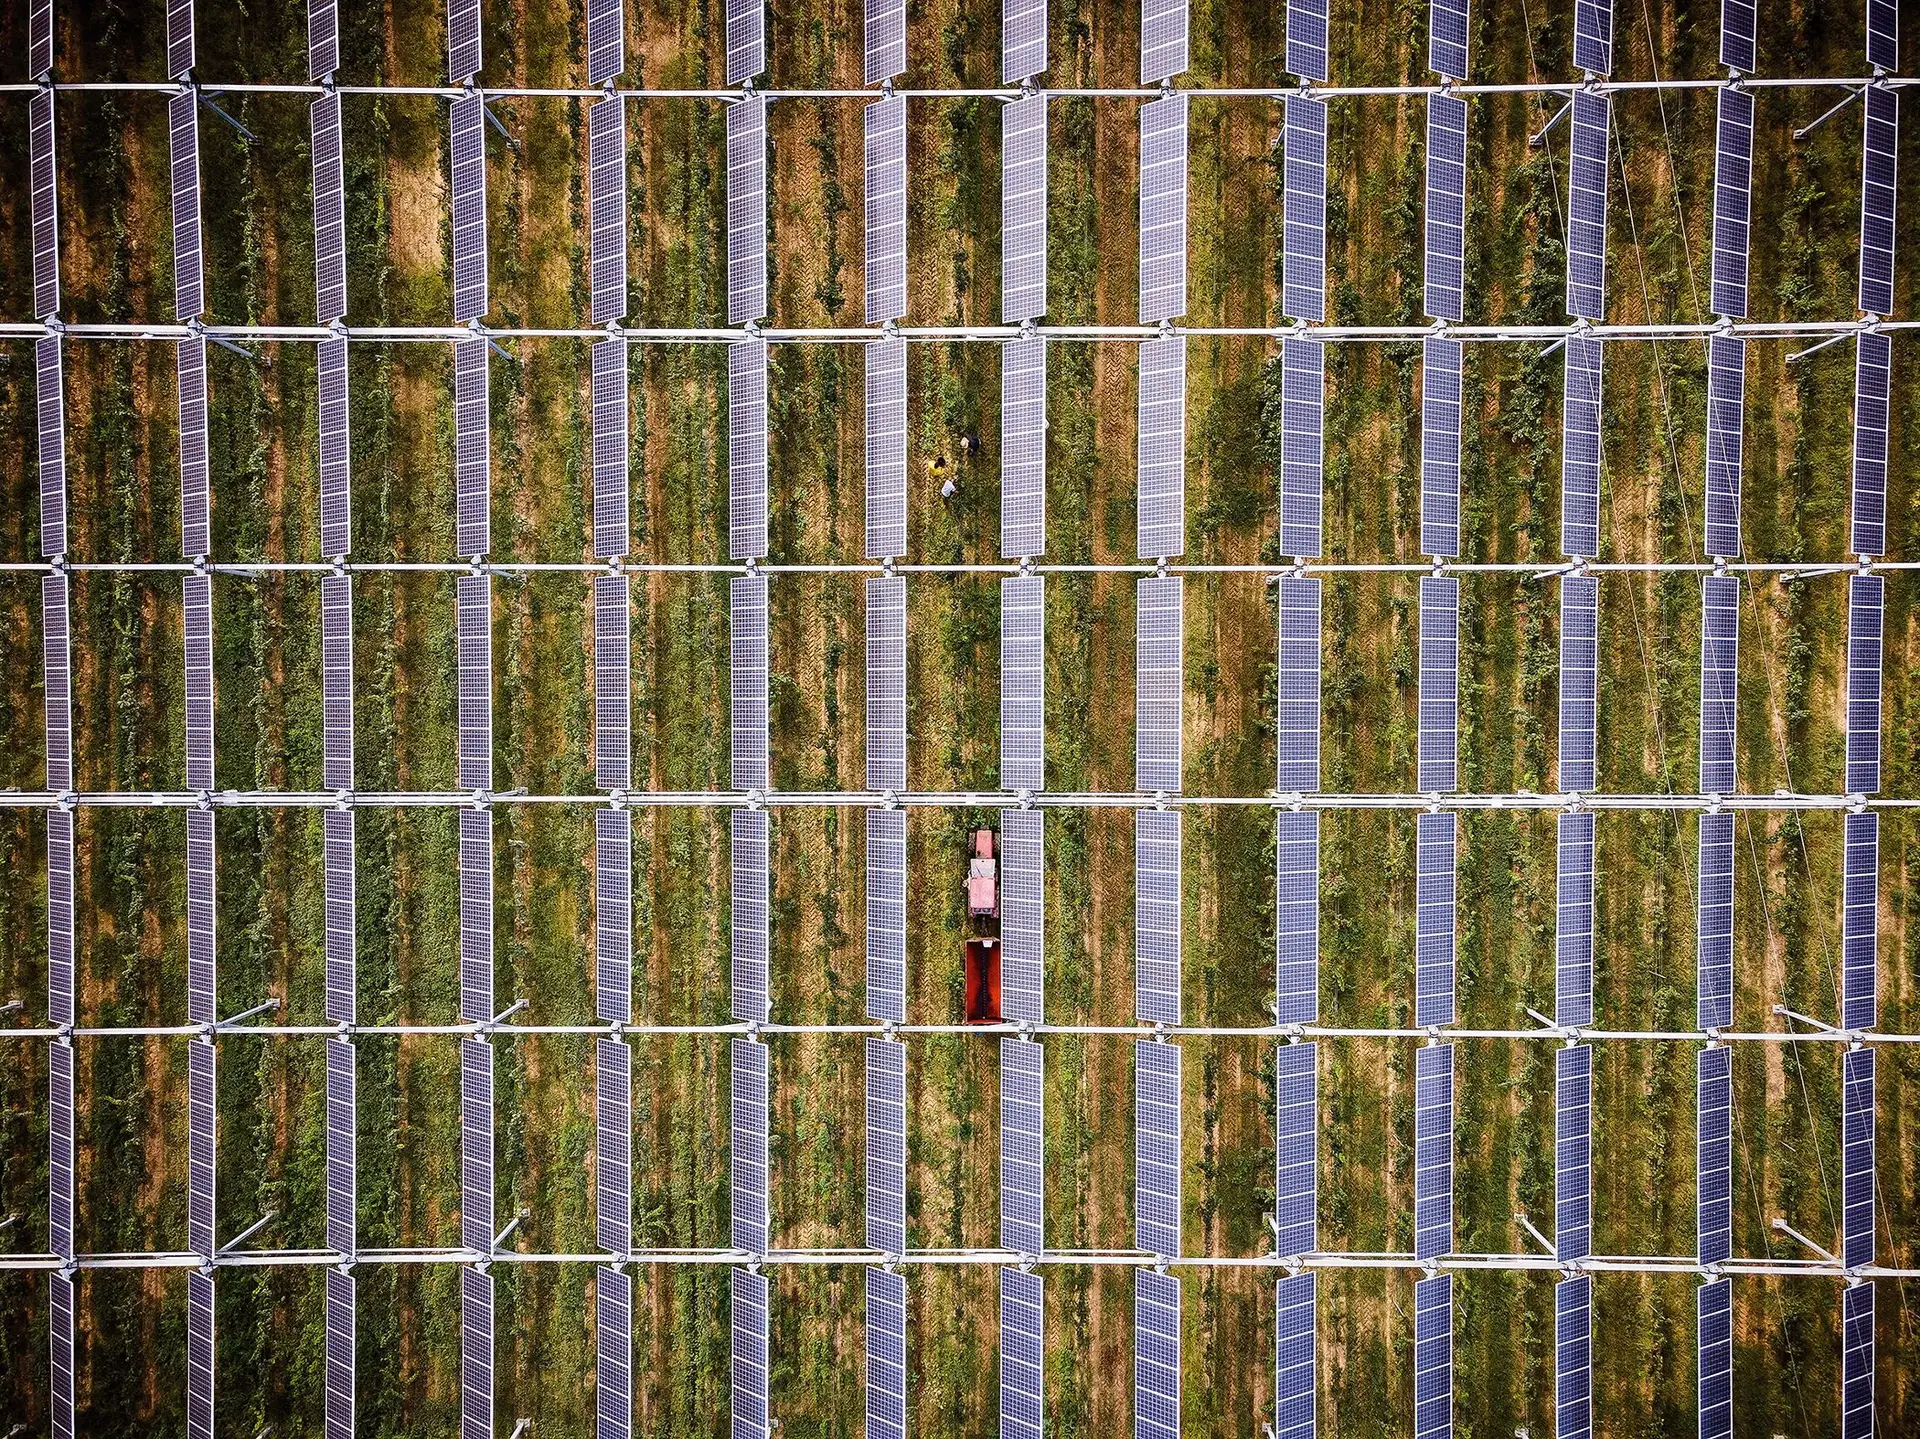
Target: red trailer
[{"x": 983, "y": 981}]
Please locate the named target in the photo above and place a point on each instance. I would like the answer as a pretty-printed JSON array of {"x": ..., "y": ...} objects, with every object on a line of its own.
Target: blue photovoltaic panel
[
  {"x": 1296, "y": 916},
  {"x": 1573, "y": 1358},
  {"x": 1877, "y": 167},
  {"x": 1023, "y": 41},
  {"x": 50, "y": 403},
  {"x": 887, "y": 683},
  {"x": 1157, "y": 678},
  {"x": 1859, "y": 922},
  {"x": 463, "y": 39},
  {"x": 476, "y": 1354},
  {"x": 472, "y": 464},
  {"x": 746, "y": 40},
  {"x": 336, "y": 503},
  {"x": 1440, "y": 386},
  {"x": 1573, "y": 1152},
  {"x": 747, "y": 449},
  {"x": 886, "y": 205},
  {"x": 886, "y": 448},
  {"x": 749, "y": 915},
  {"x": 1573, "y": 927},
  {"x": 1156, "y": 916},
  {"x": 1713, "y": 1154},
  {"x": 1304, "y": 263},
  {"x": 40, "y": 57},
  {"x": 1866, "y": 605},
  {"x": 60, "y": 1332},
  {"x": 1156, "y": 1355},
  {"x": 749, "y": 1360},
  {"x": 1593, "y": 36},
  {"x": 1579, "y": 682},
  {"x": 1160, "y": 519},
  {"x": 468, "y": 138},
  {"x": 613, "y": 915},
  {"x": 1298, "y": 666},
  {"x": 1434, "y": 920},
  {"x": 1587, "y": 204},
  {"x": 1726, "y": 417},
  {"x": 1714, "y": 952},
  {"x": 746, "y": 204},
  {"x": 1447, "y": 38},
  {"x": 200, "y": 917},
  {"x": 1433, "y": 1151},
  {"x": 1163, "y": 208},
  {"x": 1163, "y": 40},
  {"x": 1719, "y": 681},
  {"x": 613, "y": 1145},
  {"x": 1439, "y": 683},
  {"x": 1871, "y": 377},
  {"x": 200, "y": 1354},
  {"x": 474, "y": 624},
  {"x": 1856, "y": 1361},
  {"x": 43, "y": 177},
  {"x": 476, "y": 1145},
  {"x": 336, "y": 680},
  {"x": 1856, "y": 1156},
  {"x": 749, "y": 1171},
  {"x": 1023, "y": 447},
  {"x": 343, "y": 1149},
  {"x": 1303, "y": 403},
  {"x": 606, "y": 40},
  {"x": 1023, "y": 664},
  {"x": 1022, "y": 1354},
  {"x": 341, "y": 979},
  {"x": 1433, "y": 1358},
  {"x": 341, "y": 1336},
  {"x": 613, "y": 1354},
  {"x": 1022, "y": 914},
  {"x": 886, "y": 1146},
  {"x": 200, "y": 1142},
  {"x": 1295, "y": 1357},
  {"x": 748, "y": 604},
  {"x": 886, "y": 40},
  {"x": 611, "y": 534},
  {"x": 1157, "y": 1173},
  {"x": 1306, "y": 41},
  {"x": 183, "y": 119},
  {"x": 1023, "y": 198},
  {"x": 179, "y": 38},
  {"x": 1713, "y": 1313},
  {"x": 323, "y": 55},
  {"x": 476, "y": 914},
  {"x": 1296, "y": 1127},
  {"x": 56, "y": 659},
  {"x": 1732, "y": 202},
  {"x": 1738, "y": 26},
  {"x": 1022, "y": 1145},
  {"x": 1883, "y": 34},
  {"x": 197, "y": 627},
  {"x": 60, "y": 976},
  {"x": 329, "y": 214},
  {"x": 607, "y": 227},
  {"x": 612, "y": 682},
  {"x": 887, "y": 915},
  {"x": 1580, "y": 449},
  {"x": 886, "y": 1355},
  {"x": 60, "y": 1122}
]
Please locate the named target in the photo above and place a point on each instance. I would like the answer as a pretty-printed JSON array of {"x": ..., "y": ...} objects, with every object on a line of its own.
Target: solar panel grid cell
[
  {"x": 1856, "y": 1156},
  {"x": 60, "y": 969},
  {"x": 179, "y": 38},
  {"x": 343, "y": 1148},
  {"x": 1163, "y": 208},
  {"x": 341, "y": 978},
  {"x": 60, "y": 1351},
  {"x": 749, "y": 1357},
  {"x": 1160, "y": 522},
  {"x": 476, "y": 1355},
  {"x": 1713, "y": 1315},
  {"x": 749, "y": 915},
  {"x": 472, "y": 462},
  {"x": 1873, "y": 364},
  {"x": 1447, "y": 38},
  {"x": 474, "y": 623},
  {"x": 1726, "y": 415},
  {"x": 1440, "y": 394},
  {"x": 1587, "y": 204},
  {"x": 1303, "y": 402},
  {"x": 43, "y": 180},
  {"x": 341, "y": 1337},
  {"x": 336, "y": 680},
  {"x": 1573, "y": 1358},
  {"x": 1158, "y": 681},
  {"x": 1738, "y": 27},
  {"x": 1593, "y": 36},
  {"x": 1879, "y": 152},
  {"x": 463, "y": 39},
  {"x": 467, "y": 135},
  {"x": 1304, "y": 138},
  {"x": 749, "y": 681},
  {"x": 1296, "y": 1149},
  {"x": 1307, "y": 40},
  {"x": 1163, "y": 40},
  {"x": 612, "y": 682},
  {"x": 476, "y": 1145},
  {"x": 1433, "y": 1151},
  {"x": 329, "y": 213},
  {"x": 1579, "y": 682},
  {"x": 1023, "y": 914},
  {"x": 1157, "y": 1168},
  {"x": 200, "y": 1354},
  {"x": 607, "y": 227},
  {"x": 200, "y": 917},
  {"x": 886, "y": 205},
  {"x": 613, "y": 1145},
  {"x": 1434, "y": 919},
  {"x": 1023, "y": 206},
  {"x": 1719, "y": 681},
  {"x": 887, "y": 915},
  {"x": 56, "y": 657},
  {"x": 1023, "y": 448},
  {"x": 1883, "y": 34},
  {"x": 1022, "y": 1145},
  {"x": 1298, "y": 670},
  {"x": 1156, "y": 916},
  {"x": 1580, "y": 448},
  {"x": 611, "y": 535},
  {"x": 1573, "y": 925},
  {"x": 613, "y": 915},
  {"x": 1433, "y": 1358},
  {"x": 1713, "y": 1154},
  {"x": 606, "y": 40},
  {"x": 1866, "y": 610},
  {"x": 886, "y": 1355},
  {"x": 1439, "y": 683},
  {"x": 39, "y": 38},
  {"x": 1156, "y": 1355},
  {"x": 746, "y": 41},
  {"x": 1297, "y": 916},
  {"x": 1295, "y": 1357},
  {"x": 1023, "y": 660},
  {"x": 201, "y": 1121},
  {"x": 1856, "y": 1361},
  {"x": 886, "y": 40},
  {"x": 747, "y": 449},
  {"x": 323, "y": 51},
  {"x": 886, "y": 1146},
  {"x": 336, "y": 512},
  {"x": 746, "y": 200},
  {"x": 1732, "y": 200},
  {"x": 749, "y": 1149},
  {"x": 613, "y": 1354},
  {"x": 1859, "y": 922},
  {"x": 1573, "y": 1152},
  {"x": 1023, "y": 39},
  {"x": 183, "y": 121},
  {"x": 886, "y": 389},
  {"x": 476, "y": 914},
  {"x": 1022, "y": 1354},
  {"x": 51, "y": 417},
  {"x": 60, "y": 1156},
  {"x": 197, "y": 629},
  {"x": 1714, "y": 948}
]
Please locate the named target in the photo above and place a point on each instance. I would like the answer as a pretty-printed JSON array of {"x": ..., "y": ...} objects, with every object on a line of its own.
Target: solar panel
[
  {"x": 1579, "y": 682},
  {"x": 1580, "y": 449},
  {"x": 1883, "y": 34},
  {"x": 1573, "y": 927},
  {"x": 463, "y": 39},
  {"x": 1726, "y": 412},
  {"x": 1434, "y": 920},
  {"x": 749, "y": 915},
  {"x": 1714, "y": 953},
  {"x": 1440, "y": 393},
  {"x": 1573, "y": 1358},
  {"x": 747, "y": 449},
  {"x": 1856, "y": 1156},
  {"x": 323, "y": 51},
  {"x": 1879, "y": 145},
  {"x": 60, "y": 1190},
  {"x": 1023, "y": 49},
  {"x": 1298, "y": 670},
  {"x": 1737, "y": 33},
  {"x": 199, "y": 1354},
  {"x": 1163, "y": 40},
  {"x": 749, "y": 1366},
  {"x": 1713, "y": 1309},
  {"x": 1304, "y": 263},
  {"x": 1022, "y": 1145},
  {"x": 1160, "y": 521},
  {"x": 57, "y": 661},
  {"x": 1163, "y": 207},
  {"x": 1023, "y": 190},
  {"x": 748, "y": 604},
  {"x": 886, "y": 1146},
  {"x": 1023, "y": 912},
  {"x": 179, "y": 38},
  {"x": 39, "y": 41},
  {"x": 60, "y": 977},
  {"x": 183, "y": 120},
  {"x": 606, "y": 40},
  {"x": 887, "y": 914},
  {"x": 886, "y": 381},
  {"x": 336, "y": 513},
  {"x": 749, "y": 1150},
  {"x": 1587, "y": 205},
  {"x": 1593, "y": 36},
  {"x": 613, "y": 1145},
  {"x": 607, "y": 228},
  {"x": 1023, "y": 448},
  {"x": 342, "y": 1148},
  {"x": 341, "y": 977},
  {"x": 1023, "y": 1348},
  {"x": 471, "y": 448},
  {"x": 1296, "y": 916},
  {"x": 1866, "y": 604},
  {"x": 468, "y": 133},
  {"x": 1719, "y": 676},
  {"x": 1573, "y": 1152},
  {"x": 329, "y": 214},
  {"x": 1156, "y": 1355},
  {"x": 476, "y": 1354},
  {"x": 613, "y": 1354},
  {"x": 613, "y": 915},
  {"x": 886, "y": 1355},
  {"x": 1303, "y": 403},
  {"x": 336, "y": 679},
  {"x": 1157, "y": 677},
  {"x": 612, "y": 683},
  {"x": 1856, "y": 1361},
  {"x": 198, "y": 631},
  {"x": 611, "y": 531},
  {"x": 60, "y": 1355},
  {"x": 1296, "y": 1087},
  {"x": 1713, "y": 1154},
  {"x": 200, "y": 917},
  {"x": 1439, "y": 683},
  {"x": 746, "y": 40},
  {"x": 1447, "y": 38},
  {"x": 1732, "y": 200},
  {"x": 1156, "y": 1154},
  {"x": 1871, "y": 374},
  {"x": 1433, "y": 1151},
  {"x": 1156, "y": 916},
  {"x": 1296, "y": 1359},
  {"x": 1859, "y": 922},
  {"x": 1433, "y": 1358},
  {"x": 886, "y": 208},
  {"x": 201, "y": 1121},
  {"x": 746, "y": 195},
  {"x": 474, "y": 615},
  {"x": 886, "y": 40},
  {"x": 476, "y": 1145},
  {"x": 46, "y": 204},
  {"x": 476, "y": 914},
  {"x": 1307, "y": 41},
  {"x": 1023, "y": 732},
  {"x": 52, "y": 418}
]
